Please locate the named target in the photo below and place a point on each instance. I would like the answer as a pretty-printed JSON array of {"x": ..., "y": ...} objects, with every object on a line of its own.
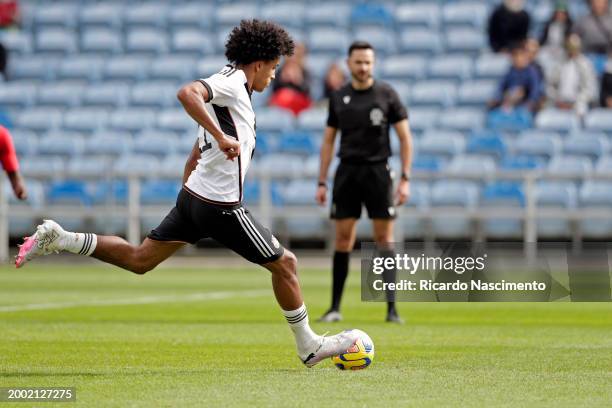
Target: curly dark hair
[{"x": 256, "y": 40}]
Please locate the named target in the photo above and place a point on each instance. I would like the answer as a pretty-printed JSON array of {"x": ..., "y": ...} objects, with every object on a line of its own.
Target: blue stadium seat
[
  {"x": 465, "y": 13},
  {"x": 155, "y": 143},
  {"x": 291, "y": 165},
  {"x": 466, "y": 119},
  {"x": 39, "y": 119},
  {"x": 434, "y": 94},
  {"x": 492, "y": 66},
  {"x": 107, "y": 143},
  {"x": 465, "y": 41},
  {"x": 503, "y": 194},
  {"x": 132, "y": 119},
  {"x": 17, "y": 42},
  {"x": 487, "y": 145},
  {"x": 101, "y": 15},
  {"x": 429, "y": 163},
  {"x": 599, "y": 120},
  {"x": 127, "y": 67},
  {"x": 476, "y": 93},
  {"x": 251, "y": 192},
  {"x": 604, "y": 165},
  {"x": 88, "y": 166},
  {"x": 69, "y": 192},
  {"x": 515, "y": 120},
  {"x": 210, "y": 65},
  {"x": 153, "y": 94},
  {"x": 304, "y": 143},
  {"x": 554, "y": 194},
  {"x": 17, "y": 95},
  {"x": 101, "y": 41},
  {"x": 592, "y": 146},
  {"x": 137, "y": 165},
  {"x": 173, "y": 165},
  {"x": 383, "y": 40},
  {"x": 176, "y": 120},
  {"x": 538, "y": 144},
  {"x": 56, "y": 41},
  {"x": 110, "y": 191},
  {"x": 146, "y": 41},
  {"x": 402, "y": 88},
  {"x": 422, "y": 119},
  {"x": 61, "y": 144},
  {"x": 60, "y": 14},
  {"x": 274, "y": 120},
  {"x": 192, "y": 15},
  {"x": 159, "y": 191},
  {"x": 60, "y": 94},
  {"x": 328, "y": 14},
  {"x": 319, "y": 40},
  {"x": 36, "y": 199},
  {"x": 192, "y": 42},
  {"x": 286, "y": 13},
  {"x": 25, "y": 141},
  {"x": 472, "y": 165},
  {"x": 232, "y": 13},
  {"x": 442, "y": 143},
  {"x": 302, "y": 193},
  {"x": 152, "y": 14},
  {"x": 41, "y": 68},
  {"x": 403, "y": 67},
  {"x": 557, "y": 120},
  {"x": 424, "y": 15},
  {"x": 174, "y": 68},
  {"x": 86, "y": 68},
  {"x": 106, "y": 94},
  {"x": 419, "y": 195},
  {"x": 458, "y": 67},
  {"x": 420, "y": 41},
  {"x": 596, "y": 194},
  {"x": 185, "y": 143},
  {"x": 314, "y": 119},
  {"x": 570, "y": 165},
  {"x": 85, "y": 119},
  {"x": 522, "y": 162},
  {"x": 42, "y": 166},
  {"x": 455, "y": 194},
  {"x": 371, "y": 14}
]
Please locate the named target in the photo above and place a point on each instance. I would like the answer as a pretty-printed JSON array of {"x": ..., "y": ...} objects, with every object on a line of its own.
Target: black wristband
[
  {"x": 405, "y": 177},
  {"x": 322, "y": 184}
]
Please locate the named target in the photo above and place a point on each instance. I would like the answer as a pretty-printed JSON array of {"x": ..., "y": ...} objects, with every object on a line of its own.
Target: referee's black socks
[{"x": 340, "y": 272}]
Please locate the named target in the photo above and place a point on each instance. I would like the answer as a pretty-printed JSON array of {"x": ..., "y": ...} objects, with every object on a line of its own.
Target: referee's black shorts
[
  {"x": 193, "y": 219},
  {"x": 361, "y": 184}
]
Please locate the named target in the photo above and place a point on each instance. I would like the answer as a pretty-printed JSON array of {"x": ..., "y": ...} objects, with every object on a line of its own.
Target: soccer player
[
  {"x": 210, "y": 203},
  {"x": 363, "y": 111},
  {"x": 8, "y": 157}
]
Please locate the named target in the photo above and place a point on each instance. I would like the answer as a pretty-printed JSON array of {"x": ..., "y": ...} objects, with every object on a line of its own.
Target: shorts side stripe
[
  {"x": 250, "y": 233},
  {"x": 265, "y": 243}
]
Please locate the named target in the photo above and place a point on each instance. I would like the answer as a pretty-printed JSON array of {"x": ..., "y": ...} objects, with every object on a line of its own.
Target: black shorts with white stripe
[{"x": 193, "y": 219}]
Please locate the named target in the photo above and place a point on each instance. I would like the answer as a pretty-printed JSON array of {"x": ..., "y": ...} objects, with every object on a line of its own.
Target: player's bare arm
[
  {"x": 402, "y": 129},
  {"x": 193, "y": 96},
  {"x": 17, "y": 184},
  {"x": 326, "y": 155}
]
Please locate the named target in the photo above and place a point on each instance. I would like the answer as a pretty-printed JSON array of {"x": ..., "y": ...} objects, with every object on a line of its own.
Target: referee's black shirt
[{"x": 363, "y": 118}]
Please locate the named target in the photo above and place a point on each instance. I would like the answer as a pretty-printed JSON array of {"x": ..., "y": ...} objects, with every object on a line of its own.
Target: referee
[{"x": 363, "y": 112}]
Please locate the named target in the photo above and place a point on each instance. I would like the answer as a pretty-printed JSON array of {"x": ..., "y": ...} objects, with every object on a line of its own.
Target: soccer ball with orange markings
[{"x": 358, "y": 356}]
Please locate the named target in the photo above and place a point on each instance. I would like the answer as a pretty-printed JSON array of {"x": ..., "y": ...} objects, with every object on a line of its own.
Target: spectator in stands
[
  {"x": 8, "y": 157},
  {"x": 595, "y": 29},
  {"x": 291, "y": 88},
  {"x": 522, "y": 86},
  {"x": 508, "y": 24},
  {"x": 9, "y": 13},
  {"x": 532, "y": 46},
  {"x": 605, "y": 95},
  {"x": 334, "y": 79},
  {"x": 574, "y": 85},
  {"x": 558, "y": 27}
]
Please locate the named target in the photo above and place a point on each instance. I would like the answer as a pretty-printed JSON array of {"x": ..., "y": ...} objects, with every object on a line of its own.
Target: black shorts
[
  {"x": 193, "y": 219},
  {"x": 359, "y": 184}
]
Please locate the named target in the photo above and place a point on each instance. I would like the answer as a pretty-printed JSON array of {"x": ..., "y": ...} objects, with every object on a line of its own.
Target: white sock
[
  {"x": 80, "y": 243},
  {"x": 306, "y": 340}
]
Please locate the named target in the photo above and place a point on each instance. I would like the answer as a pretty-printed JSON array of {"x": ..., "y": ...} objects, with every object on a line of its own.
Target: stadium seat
[
  {"x": 457, "y": 67},
  {"x": 304, "y": 143},
  {"x": 314, "y": 119},
  {"x": 132, "y": 119},
  {"x": 539, "y": 144},
  {"x": 422, "y": 119},
  {"x": 18, "y": 95},
  {"x": 85, "y": 68},
  {"x": 108, "y": 143},
  {"x": 137, "y": 165},
  {"x": 25, "y": 142},
  {"x": 328, "y": 14},
  {"x": 61, "y": 144},
  {"x": 85, "y": 119},
  {"x": 402, "y": 67},
  {"x": 555, "y": 195},
  {"x": 39, "y": 119},
  {"x": 69, "y": 192},
  {"x": 302, "y": 193},
  {"x": 570, "y": 166},
  {"x": 154, "y": 142},
  {"x": 371, "y": 14},
  {"x": 318, "y": 40},
  {"x": 318, "y": 64},
  {"x": 210, "y": 65},
  {"x": 126, "y": 67},
  {"x": 101, "y": 15},
  {"x": 56, "y": 41},
  {"x": 42, "y": 166},
  {"x": 460, "y": 195},
  {"x": 159, "y": 191},
  {"x": 39, "y": 68},
  {"x": 106, "y": 94},
  {"x": 465, "y": 13},
  {"x": 557, "y": 120},
  {"x": 152, "y": 14},
  {"x": 60, "y": 94},
  {"x": 604, "y": 165},
  {"x": 433, "y": 94},
  {"x": 476, "y": 93},
  {"x": 110, "y": 191},
  {"x": 176, "y": 120},
  {"x": 515, "y": 120},
  {"x": 499, "y": 195},
  {"x": 522, "y": 162},
  {"x": 101, "y": 41},
  {"x": 192, "y": 43},
  {"x": 465, "y": 41},
  {"x": 599, "y": 120},
  {"x": 173, "y": 165},
  {"x": 230, "y": 14},
  {"x": 153, "y": 94},
  {"x": 472, "y": 165},
  {"x": 592, "y": 146},
  {"x": 383, "y": 40},
  {"x": 442, "y": 143},
  {"x": 429, "y": 163},
  {"x": 174, "y": 68},
  {"x": 191, "y": 14},
  {"x": 487, "y": 145},
  {"x": 251, "y": 192},
  {"x": 419, "y": 195},
  {"x": 596, "y": 194},
  {"x": 492, "y": 66},
  {"x": 421, "y": 14},
  {"x": 465, "y": 119},
  {"x": 17, "y": 42},
  {"x": 146, "y": 41},
  {"x": 286, "y": 13},
  {"x": 291, "y": 165},
  {"x": 421, "y": 41},
  {"x": 88, "y": 166}
]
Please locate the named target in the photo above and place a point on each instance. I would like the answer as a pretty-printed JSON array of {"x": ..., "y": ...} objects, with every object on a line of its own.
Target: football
[{"x": 359, "y": 356}]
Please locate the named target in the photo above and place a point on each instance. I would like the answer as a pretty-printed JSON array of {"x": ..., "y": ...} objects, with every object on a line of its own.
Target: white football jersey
[{"x": 216, "y": 179}]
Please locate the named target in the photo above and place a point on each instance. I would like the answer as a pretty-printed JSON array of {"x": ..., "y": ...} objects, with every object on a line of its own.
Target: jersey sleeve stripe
[{"x": 208, "y": 88}]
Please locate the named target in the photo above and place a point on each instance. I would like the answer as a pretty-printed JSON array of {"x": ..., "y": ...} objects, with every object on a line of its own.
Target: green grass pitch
[{"x": 180, "y": 337}]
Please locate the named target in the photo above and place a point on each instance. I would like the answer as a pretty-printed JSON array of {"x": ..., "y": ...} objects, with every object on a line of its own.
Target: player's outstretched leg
[
  {"x": 311, "y": 347},
  {"x": 50, "y": 238}
]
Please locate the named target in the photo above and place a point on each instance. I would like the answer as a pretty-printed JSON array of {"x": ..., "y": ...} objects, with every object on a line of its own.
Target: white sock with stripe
[
  {"x": 80, "y": 243},
  {"x": 306, "y": 340}
]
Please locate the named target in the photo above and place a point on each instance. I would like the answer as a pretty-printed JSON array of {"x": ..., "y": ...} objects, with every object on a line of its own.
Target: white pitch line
[{"x": 194, "y": 297}]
